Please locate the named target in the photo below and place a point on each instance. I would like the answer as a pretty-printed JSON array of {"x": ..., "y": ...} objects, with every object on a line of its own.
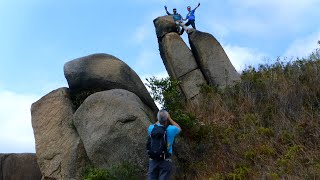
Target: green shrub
[
  {"x": 72, "y": 126},
  {"x": 78, "y": 97},
  {"x": 239, "y": 173},
  {"x": 124, "y": 171},
  {"x": 166, "y": 92},
  {"x": 96, "y": 174},
  {"x": 266, "y": 131},
  {"x": 250, "y": 155}
]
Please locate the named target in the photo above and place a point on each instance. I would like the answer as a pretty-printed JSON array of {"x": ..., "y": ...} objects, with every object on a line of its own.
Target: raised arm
[
  {"x": 165, "y": 7},
  {"x": 174, "y": 123},
  {"x": 196, "y": 7}
]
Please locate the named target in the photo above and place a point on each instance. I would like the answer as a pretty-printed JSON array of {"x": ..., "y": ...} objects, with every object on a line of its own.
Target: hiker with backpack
[
  {"x": 161, "y": 136},
  {"x": 177, "y": 18},
  {"x": 190, "y": 17}
]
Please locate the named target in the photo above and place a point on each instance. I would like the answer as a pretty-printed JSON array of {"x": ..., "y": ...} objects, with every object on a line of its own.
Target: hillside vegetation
[{"x": 267, "y": 126}]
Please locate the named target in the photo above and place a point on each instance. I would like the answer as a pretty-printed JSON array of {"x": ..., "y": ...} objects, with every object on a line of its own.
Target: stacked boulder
[
  {"x": 206, "y": 62},
  {"x": 104, "y": 72},
  {"x": 212, "y": 59},
  {"x": 58, "y": 146},
  {"x": 100, "y": 120},
  {"x": 178, "y": 58}
]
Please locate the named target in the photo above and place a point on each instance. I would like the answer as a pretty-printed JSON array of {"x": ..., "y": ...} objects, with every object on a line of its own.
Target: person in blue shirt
[
  {"x": 177, "y": 18},
  {"x": 161, "y": 169},
  {"x": 190, "y": 17}
]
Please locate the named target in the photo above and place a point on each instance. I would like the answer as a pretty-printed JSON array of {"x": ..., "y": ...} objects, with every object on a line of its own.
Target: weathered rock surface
[
  {"x": 19, "y": 167},
  {"x": 212, "y": 59},
  {"x": 176, "y": 55},
  {"x": 112, "y": 125},
  {"x": 164, "y": 25},
  {"x": 178, "y": 58},
  {"x": 191, "y": 83},
  {"x": 105, "y": 72},
  {"x": 59, "y": 150}
]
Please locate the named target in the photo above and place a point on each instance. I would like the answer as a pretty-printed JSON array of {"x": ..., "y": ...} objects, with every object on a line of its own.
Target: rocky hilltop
[{"x": 100, "y": 120}]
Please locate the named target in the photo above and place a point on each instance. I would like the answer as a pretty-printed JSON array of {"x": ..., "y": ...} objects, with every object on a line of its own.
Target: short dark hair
[
  {"x": 174, "y": 9},
  {"x": 188, "y": 7}
]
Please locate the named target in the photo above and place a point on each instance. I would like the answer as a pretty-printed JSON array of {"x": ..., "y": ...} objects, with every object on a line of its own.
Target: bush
[
  {"x": 78, "y": 97},
  {"x": 125, "y": 171}
]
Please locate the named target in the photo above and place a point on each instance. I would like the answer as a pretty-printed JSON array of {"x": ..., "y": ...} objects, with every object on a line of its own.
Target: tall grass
[{"x": 267, "y": 126}]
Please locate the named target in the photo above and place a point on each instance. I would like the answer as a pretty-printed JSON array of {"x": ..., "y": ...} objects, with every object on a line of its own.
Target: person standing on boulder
[
  {"x": 177, "y": 18},
  {"x": 190, "y": 17},
  {"x": 161, "y": 133}
]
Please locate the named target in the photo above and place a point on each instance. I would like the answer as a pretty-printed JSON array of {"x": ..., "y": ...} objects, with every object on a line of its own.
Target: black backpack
[{"x": 157, "y": 143}]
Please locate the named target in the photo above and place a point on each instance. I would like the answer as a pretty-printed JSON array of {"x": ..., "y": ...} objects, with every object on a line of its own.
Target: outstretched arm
[
  {"x": 196, "y": 7},
  {"x": 165, "y": 7}
]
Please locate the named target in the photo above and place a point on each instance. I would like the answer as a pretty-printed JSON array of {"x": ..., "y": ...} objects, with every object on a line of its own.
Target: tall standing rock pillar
[
  {"x": 178, "y": 58},
  {"x": 212, "y": 59},
  {"x": 60, "y": 151}
]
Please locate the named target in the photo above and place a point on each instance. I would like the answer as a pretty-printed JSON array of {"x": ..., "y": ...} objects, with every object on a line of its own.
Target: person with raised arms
[{"x": 190, "y": 17}]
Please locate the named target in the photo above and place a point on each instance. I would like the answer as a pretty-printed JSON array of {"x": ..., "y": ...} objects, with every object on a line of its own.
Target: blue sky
[{"x": 38, "y": 36}]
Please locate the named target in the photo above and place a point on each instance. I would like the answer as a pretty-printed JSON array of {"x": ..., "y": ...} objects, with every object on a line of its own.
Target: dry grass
[{"x": 267, "y": 126}]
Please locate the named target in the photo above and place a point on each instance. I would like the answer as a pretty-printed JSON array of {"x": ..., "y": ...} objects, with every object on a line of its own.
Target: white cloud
[
  {"x": 241, "y": 57},
  {"x": 16, "y": 133},
  {"x": 302, "y": 47}
]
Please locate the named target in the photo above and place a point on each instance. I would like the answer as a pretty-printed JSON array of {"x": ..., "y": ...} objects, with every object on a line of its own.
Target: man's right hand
[
  {"x": 173, "y": 122},
  {"x": 165, "y": 7}
]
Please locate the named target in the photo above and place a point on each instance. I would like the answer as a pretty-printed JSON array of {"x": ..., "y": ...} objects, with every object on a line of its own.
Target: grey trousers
[{"x": 159, "y": 170}]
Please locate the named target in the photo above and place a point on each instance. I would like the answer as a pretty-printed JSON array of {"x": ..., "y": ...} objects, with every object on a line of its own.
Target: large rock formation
[
  {"x": 112, "y": 125},
  {"x": 114, "y": 112},
  {"x": 105, "y": 72},
  {"x": 178, "y": 58},
  {"x": 181, "y": 65},
  {"x": 212, "y": 59},
  {"x": 19, "y": 167},
  {"x": 176, "y": 55},
  {"x": 191, "y": 84},
  {"x": 164, "y": 25},
  {"x": 206, "y": 63},
  {"x": 59, "y": 150},
  {"x": 114, "y": 108}
]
